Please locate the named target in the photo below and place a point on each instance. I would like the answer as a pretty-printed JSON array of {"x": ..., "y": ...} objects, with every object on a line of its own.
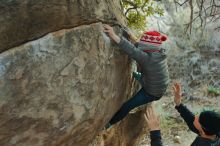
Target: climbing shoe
[
  {"x": 137, "y": 76},
  {"x": 107, "y": 126}
]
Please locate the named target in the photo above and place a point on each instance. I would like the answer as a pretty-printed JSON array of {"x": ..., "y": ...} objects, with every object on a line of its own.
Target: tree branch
[
  {"x": 132, "y": 8},
  {"x": 180, "y": 3},
  {"x": 191, "y": 15}
]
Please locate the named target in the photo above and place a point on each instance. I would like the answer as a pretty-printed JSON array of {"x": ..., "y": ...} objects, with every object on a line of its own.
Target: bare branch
[
  {"x": 208, "y": 12},
  {"x": 217, "y": 18},
  {"x": 217, "y": 28},
  {"x": 191, "y": 15},
  {"x": 180, "y": 3}
]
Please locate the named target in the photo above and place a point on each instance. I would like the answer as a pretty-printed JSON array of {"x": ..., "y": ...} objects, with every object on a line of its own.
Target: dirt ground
[{"x": 174, "y": 130}]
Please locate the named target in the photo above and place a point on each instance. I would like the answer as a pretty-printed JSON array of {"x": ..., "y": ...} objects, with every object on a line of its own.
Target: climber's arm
[
  {"x": 126, "y": 46},
  {"x": 132, "y": 51}
]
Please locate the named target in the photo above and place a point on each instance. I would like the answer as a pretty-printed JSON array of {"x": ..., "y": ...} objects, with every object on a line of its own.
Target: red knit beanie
[{"x": 153, "y": 38}]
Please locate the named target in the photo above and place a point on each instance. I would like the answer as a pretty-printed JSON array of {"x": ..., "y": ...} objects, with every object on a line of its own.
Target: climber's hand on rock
[
  {"x": 152, "y": 119},
  {"x": 177, "y": 93},
  {"x": 109, "y": 30}
]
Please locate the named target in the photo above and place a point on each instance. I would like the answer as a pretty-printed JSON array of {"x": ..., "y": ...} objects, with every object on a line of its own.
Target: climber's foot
[
  {"x": 137, "y": 75},
  {"x": 107, "y": 126}
]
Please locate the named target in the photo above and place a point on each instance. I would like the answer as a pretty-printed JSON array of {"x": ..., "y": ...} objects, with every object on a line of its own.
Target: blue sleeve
[
  {"x": 188, "y": 117},
  {"x": 155, "y": 137}
]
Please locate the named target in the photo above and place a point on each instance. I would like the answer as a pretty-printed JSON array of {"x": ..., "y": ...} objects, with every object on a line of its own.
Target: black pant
[{"x": 139, "y": 99}]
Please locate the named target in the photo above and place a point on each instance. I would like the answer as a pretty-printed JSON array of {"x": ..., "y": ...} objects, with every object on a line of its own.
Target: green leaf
[{"x": 141, "y": 9}]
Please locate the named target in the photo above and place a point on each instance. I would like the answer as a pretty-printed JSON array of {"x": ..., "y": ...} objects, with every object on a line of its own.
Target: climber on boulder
[{"x": 154, "y": 77}]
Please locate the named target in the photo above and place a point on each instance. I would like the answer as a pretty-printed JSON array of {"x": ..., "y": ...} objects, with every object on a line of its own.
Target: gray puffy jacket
[{"x": 153, "y": 66}]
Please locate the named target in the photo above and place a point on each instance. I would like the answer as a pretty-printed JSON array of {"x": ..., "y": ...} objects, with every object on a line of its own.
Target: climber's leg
[{"x": 139, "y": 99}]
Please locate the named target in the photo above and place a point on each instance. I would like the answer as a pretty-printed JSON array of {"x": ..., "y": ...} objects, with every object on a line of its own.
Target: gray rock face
[
  {"x": 129, "y": 132},
  {"x": 61, "y": 89},
  {"x": 61, "y": 78},
  {"x": 25, "y": 20}
]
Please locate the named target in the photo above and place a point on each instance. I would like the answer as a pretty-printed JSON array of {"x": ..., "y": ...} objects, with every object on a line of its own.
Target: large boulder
[
  {"x": 61, "y": 78},
  {"x": 129, "y": 132},
  {"x": 25, "y": 20},
  {"x": 61, "y": 89}
]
